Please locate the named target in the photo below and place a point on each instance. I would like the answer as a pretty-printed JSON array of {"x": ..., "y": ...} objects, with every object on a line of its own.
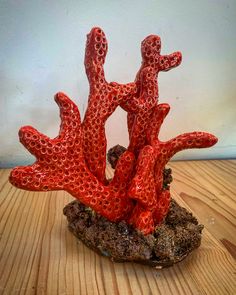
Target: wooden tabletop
[{"x": 38, "y": 255}]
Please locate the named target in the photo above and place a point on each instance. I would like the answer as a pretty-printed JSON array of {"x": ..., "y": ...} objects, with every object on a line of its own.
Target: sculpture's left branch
[{"x": 60, "y": 164}]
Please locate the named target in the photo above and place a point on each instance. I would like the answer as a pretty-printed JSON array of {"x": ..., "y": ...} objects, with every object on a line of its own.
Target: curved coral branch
[
  {"x": 70, "y": 116},
  {"x": 142, "y": 186},
  {"x": 123, "y": 172},
  {"x": 54, "y": 156},
  {"x": 142, "y": 190},
  {"x": 35, "y": 142},
  {"x": 188, "y": 141}
]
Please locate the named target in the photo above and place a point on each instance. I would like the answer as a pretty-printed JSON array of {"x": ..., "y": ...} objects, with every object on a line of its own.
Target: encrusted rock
[{"x": 171, "y": 241}]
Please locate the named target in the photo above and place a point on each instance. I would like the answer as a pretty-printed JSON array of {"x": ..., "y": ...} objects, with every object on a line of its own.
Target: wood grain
[
  {"x": 209, "y": 189},
  {"x": 38, "y": 255}
]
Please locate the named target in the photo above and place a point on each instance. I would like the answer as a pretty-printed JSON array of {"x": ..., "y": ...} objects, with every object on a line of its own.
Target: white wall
[{"x": 42, "y": 51}]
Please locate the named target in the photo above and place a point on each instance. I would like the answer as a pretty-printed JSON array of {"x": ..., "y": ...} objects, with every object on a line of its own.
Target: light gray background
[{"x": 42, "y": 50}]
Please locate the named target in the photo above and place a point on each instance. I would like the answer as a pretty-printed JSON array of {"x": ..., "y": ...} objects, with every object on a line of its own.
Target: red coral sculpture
[{"x": 75, "y": 160}]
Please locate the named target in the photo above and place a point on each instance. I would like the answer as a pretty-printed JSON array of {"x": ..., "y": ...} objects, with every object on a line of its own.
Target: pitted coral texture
[{"x": 75, "y": 161}]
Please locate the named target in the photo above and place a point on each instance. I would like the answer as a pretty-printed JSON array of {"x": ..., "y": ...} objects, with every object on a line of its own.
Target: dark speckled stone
[{"x": 172, "y": 241}]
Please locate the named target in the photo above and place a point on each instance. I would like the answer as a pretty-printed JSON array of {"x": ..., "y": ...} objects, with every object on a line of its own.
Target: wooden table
[{"x": 38, "y": 255}]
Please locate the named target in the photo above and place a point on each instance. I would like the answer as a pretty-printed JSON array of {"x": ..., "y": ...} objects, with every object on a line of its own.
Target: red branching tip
[
  {"x": 151, "y": 50},
  {"x": 95, "y": 54},
  {"x": 189, "y": 141},
  {"x": 151, "y": 54},
  {"x": 35, "y": 142},
  {"x": 104, "y": 98}
]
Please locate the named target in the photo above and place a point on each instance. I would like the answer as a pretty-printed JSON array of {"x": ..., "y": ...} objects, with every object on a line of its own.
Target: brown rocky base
[{"x": 171, "y": 242}]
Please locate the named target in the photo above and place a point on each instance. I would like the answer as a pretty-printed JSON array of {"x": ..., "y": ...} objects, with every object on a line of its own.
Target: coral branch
[
  {"x": 168, "y": 62},
  {"x": 103, "y": 100},
  {"x": 70, "y": 116},
  {"x": 142, "y": 187},
  {"x": 140, "y": 106},
  {"x": 158, "y": 116},
  {"x": 95, "y": 54},
  {"x": 166, "y": 150},
  {"x": 147, "y": 101},
  {"x": 35, "y": 142},
  {"x": 188, "y": 141},
  {"x": 60, "y": 165},
  {"x": 54, "y": 156}
]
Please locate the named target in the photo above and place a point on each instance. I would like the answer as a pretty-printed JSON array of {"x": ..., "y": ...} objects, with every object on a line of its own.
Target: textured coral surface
[{"x": 75, "y": 160}]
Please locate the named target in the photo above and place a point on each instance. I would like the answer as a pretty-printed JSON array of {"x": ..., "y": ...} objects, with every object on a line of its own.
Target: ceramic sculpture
[{"x": 137, "y": 201}]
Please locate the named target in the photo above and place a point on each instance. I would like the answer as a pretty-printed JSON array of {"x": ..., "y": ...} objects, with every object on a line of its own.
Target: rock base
[{"x": 171, "y": 242}]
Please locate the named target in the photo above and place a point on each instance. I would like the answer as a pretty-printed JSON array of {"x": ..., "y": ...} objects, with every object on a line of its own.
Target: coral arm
[
  {"x": 103, "y": 100},
  {"x": 147, "y": 101},
  {"x": 168, "y": 62},
  {"x": 100, "y": 107},
  {"x": 39, "y": 144},
  {"x": 34, "y": 141},
  {"x": 79, "y": 182},
  {"x": 95, "y": 54},
  {"x": 156, "y": 120},
  {"x": 142, "y": 219},
  {"x": 54, "y": 156},
  {"x": 151, "y": 57},
  {"x": 142, "y": 190},
  {"x": 37, "y": 177}
]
